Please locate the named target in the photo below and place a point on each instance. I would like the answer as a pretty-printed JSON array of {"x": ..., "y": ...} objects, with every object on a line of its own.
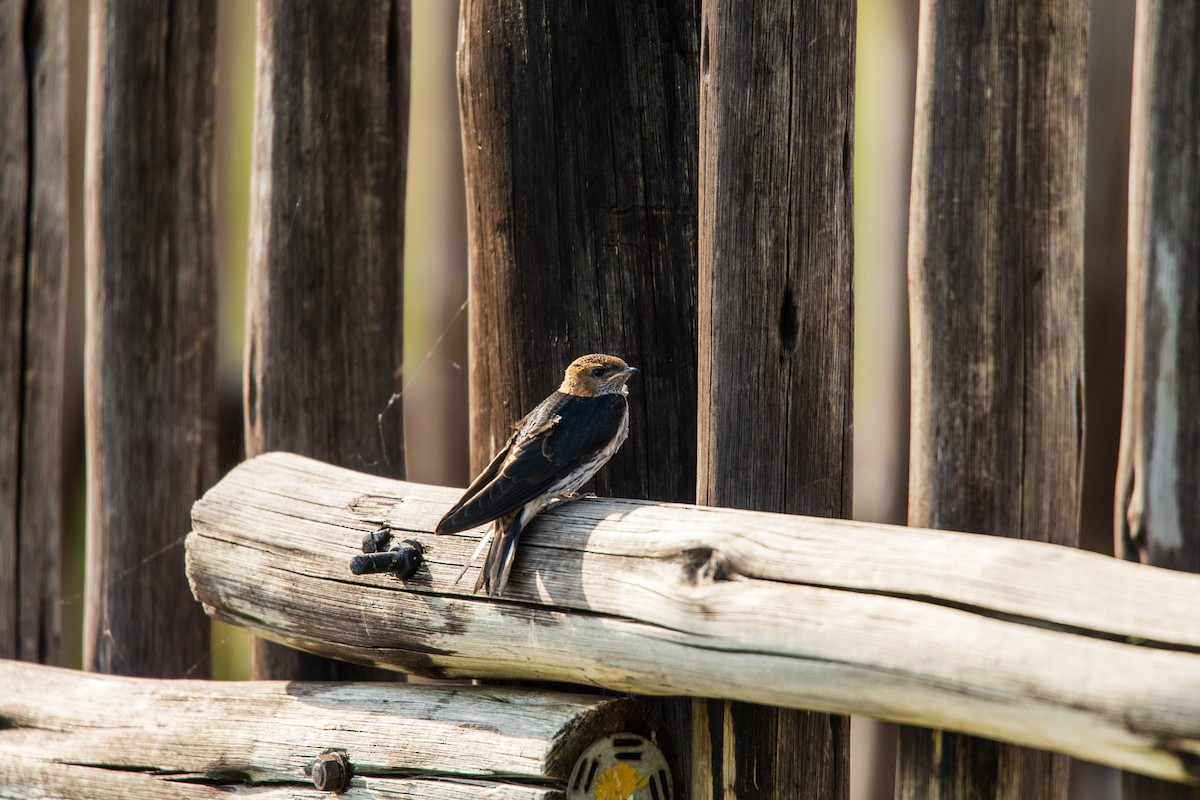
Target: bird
[{"x": 556, "y": 448}]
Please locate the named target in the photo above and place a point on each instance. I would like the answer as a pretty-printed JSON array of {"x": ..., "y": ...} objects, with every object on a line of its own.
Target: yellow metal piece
[{"x": 619, "y": 782}]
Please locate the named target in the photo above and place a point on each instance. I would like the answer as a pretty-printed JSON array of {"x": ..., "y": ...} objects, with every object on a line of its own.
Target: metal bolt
[
  {"x": 331, "y": 772},
  {"x": 376, "y": 541},
  {"x": 402, "y": 560}
]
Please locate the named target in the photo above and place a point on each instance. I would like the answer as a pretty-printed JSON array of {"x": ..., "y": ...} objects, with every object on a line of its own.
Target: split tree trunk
[
  {"x": 776, "y": 314},
  {"x": 579, "y": 143},
  {"x": 325, "y": 297},
  {"x": 995, "y": 276},
  {"x": 1158, "y": 482},
  {"x": 151, "y": 338},
  {"x": 33, "y": 284}
]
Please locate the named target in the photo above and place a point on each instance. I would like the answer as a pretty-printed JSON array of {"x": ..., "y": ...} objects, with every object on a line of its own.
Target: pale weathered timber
[
  {"x": 33, "y": 284},
  {"x": 1022, "y": 641},
  {"x": 580, "y": 126},
  {"x": 150, "y": 334},
  {"x": 776, "y": 314},
  {"x": 996, "y": 300},
  {"x": 324, "y": 329},
  {"x": 107, "y": 737},
  {"x": 1158, "y": 483}
]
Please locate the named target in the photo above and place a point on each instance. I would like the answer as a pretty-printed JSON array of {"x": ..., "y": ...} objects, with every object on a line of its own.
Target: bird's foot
[{"x": 570, "y": 497}]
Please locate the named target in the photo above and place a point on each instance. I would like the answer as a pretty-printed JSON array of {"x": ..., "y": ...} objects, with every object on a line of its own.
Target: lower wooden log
[
  {"x": 68, "y": 734},
  {"x": 1020, "y": 641}
]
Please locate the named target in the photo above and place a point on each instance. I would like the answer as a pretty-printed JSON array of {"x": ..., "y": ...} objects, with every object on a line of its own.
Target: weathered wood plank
[
  {"x": 1158, "y": 481},
  {"x": 150, "y": 338},
  {"x": 580, "y": 126},
  {"x": 324, "y": 330},
  {"x": 33, "y": 283},
  {"x": 579, "y": 143},
  {"x": 1020, "y": 641},
  {"x": 48, "y": 781},
  {"x": 775, "y": 313},
  {"x": 161, "y": 738},
  {"x": 995, "y": 288}
]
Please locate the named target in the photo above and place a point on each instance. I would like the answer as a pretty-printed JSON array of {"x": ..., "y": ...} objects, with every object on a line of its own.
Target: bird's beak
[{"x": 631, "y": 371}]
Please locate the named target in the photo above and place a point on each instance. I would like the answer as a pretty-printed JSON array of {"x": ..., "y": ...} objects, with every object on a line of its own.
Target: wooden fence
[{"x": 671, "y": 182}]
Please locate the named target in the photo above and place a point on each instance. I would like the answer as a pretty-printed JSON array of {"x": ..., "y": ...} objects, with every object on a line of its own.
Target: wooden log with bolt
[
  {"x": 109, "y": 737},
  {"x": 1021, "y": 641}
]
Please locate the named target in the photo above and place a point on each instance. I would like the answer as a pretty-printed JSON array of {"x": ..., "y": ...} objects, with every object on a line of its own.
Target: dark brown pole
[
  {"x": 995, "y": 277},
  {"x": 33, "y": 283},
  {"x": 325, "y": 297},
  {"x": 151, "y": 397},
  {"x": 1158, "y": 481},
  {"x": 776, "y": 332},
  {"x": 580, "y": 129}
]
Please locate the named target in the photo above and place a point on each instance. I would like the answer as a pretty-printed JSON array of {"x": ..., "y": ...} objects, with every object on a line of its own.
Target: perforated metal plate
[{"x": 623, "y": 766}]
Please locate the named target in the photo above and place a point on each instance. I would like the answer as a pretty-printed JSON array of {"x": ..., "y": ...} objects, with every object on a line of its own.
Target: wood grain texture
[
  {"x": 1157, "y": 511},
  {"x": 995, "y": 287},
  {"x": 775, "y": 314},
  {"x": 580, "y": 125},
  {"x": 150, "y": 338},
  {"x": 204, "y": 739},
  {"x": 324, "y": 331},
  {"x": 33, "y": 283},
  {"x": 579, "y": 143},
  {"x": 1016, "y": 640}
]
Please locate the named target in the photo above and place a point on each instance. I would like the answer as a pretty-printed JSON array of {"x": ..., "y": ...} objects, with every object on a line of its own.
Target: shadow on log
[{"x": 1020, "y": 641}]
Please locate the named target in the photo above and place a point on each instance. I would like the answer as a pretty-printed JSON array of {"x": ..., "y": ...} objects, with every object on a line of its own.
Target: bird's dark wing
[
  {"x": 558, "y": 436},
  {"x": 484, "y": 478}
]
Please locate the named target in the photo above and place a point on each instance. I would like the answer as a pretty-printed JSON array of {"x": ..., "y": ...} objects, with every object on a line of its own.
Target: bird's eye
[{"x": 598, "y": 372}]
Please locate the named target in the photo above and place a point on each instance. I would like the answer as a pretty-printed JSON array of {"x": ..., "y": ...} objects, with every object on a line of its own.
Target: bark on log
[
  {"x": 33, "y": 285},
  {"x": 324, "y": 332},
  {"x": 104, "y": 737},
  {"x": 995, "y": 277},
  {"x": 1158, "y": 481},
  {"x": 1020, "y": 641},
  {"x": 151, "y": 339},
  {"x": 776, "y": 311}
]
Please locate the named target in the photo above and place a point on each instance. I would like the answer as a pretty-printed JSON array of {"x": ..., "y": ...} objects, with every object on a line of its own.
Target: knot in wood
[{"x": 704, "y": 565}]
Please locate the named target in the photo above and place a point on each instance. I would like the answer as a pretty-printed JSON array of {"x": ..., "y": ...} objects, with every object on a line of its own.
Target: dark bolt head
[
  {"x": 376, "y": 541},
  {"x": 331, "y": 772}
]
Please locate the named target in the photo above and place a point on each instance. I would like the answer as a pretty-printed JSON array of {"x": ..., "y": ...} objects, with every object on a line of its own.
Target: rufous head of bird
[{"x": 596, "y": 374}]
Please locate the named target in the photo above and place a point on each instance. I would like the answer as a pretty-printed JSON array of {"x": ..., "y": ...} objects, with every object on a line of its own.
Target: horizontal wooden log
[
  {"x": 1021, "y": 641},
  {"x": 82, "y": 735}
]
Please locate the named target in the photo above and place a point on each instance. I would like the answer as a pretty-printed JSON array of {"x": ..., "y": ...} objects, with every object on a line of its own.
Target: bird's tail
[{"x": 501, "y": 555}]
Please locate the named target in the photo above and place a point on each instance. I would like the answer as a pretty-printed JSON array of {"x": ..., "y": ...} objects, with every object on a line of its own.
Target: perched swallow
[{"x": 556, "y": 449}]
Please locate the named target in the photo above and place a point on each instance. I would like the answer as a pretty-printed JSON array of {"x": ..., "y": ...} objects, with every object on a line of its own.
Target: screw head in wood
[{"x": 331, "y": 772}]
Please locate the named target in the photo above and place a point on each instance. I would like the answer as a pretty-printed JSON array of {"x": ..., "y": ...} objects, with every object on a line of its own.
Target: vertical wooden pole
[
  {"x": 150, "y": 336},
  {"x": 324, "y": 339},
  {"x": 33, "y": 272},
  {"x": 580, "y": 125},
  {"x": 579, "y": 141},
  {"x": 995, "y": 276},
  {"x": 776, "y": 334},
  {"x": 1158, "y": 480}
]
